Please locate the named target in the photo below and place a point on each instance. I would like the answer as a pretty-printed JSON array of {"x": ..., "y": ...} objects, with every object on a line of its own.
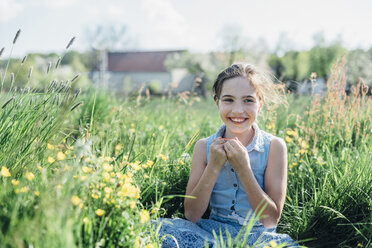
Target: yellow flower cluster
[
  {"x": 5, "y": 172},
  {"x": 163, "y": 157}
]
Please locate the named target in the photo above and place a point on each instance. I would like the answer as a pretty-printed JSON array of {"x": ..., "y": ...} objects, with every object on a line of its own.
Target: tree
[{"x": 110, "y": 37}]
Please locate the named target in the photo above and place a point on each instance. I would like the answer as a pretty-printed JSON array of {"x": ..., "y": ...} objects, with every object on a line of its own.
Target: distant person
[{"x": 237, "y": 171}]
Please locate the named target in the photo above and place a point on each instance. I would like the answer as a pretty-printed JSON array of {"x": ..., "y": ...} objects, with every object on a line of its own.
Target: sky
[{"x": 195, "y": 25}]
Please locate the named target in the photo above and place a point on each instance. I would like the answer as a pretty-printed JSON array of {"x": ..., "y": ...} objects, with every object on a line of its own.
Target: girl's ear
[{"x": 216, "y": 101}]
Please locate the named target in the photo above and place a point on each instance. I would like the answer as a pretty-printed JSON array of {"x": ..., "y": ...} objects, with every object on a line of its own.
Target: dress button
[
  {"x": 232, "y": 170},
  {"x": 235, "y": 185},
  {"x": 232, "y": 208},
  {"x": 233, "y": 201}
]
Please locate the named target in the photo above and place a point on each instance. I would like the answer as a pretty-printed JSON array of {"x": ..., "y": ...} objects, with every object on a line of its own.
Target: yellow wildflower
[
  {"x": 137, "y": 242},
  {"x": 302, "y": 151},
  {"x": 163, "y": 157},
  {"x": 86, "y": 169},
  {"x": 39, "y": 167},
  {"x": 129, "y": 190},
  {"x": 107, "y": 167},
  {"x": 15, "y": 182},
  {"x": 100, "y": 212},
  {"x": 292, "y": 133},
  {"x": 37, "y": 193},
  {"x": 288, "y": 139},
  {"x": 106, "y": 176},
  {"x": 144, "y": 216},
  {"x": 118, "y": 147},
  {"x": 304, "y": 144},
  {"x": 108, "y": 190},
  {"x": 30, "y": 176},
  {"x": 59, "y": 186},
  {"x": 135, "y": 166},
  {"x": 132, "y": 204},
  {"x": 50, "y": 146},
  {"x": 94, "y": 196},
  {"x": 5, "y": 172},
  {"x": 75, "y": 200},
  {"x": 132, "y": 125},
  {"x": 273, "y": 243},
  {"x": 161, "y": 127},
  {"x": 87, "y": 159},
  {"x": 51, "y": 160},
  {"x": 132, "y": 130},
  {"x": 23, "y": 190},
  {"x": 149, "y": 163},
  {"x": 61, "y": 156},
  {"x": 149, "y": 246}
]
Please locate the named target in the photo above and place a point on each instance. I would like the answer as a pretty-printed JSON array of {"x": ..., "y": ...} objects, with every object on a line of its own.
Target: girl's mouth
[{"x": 237, "y": 120}]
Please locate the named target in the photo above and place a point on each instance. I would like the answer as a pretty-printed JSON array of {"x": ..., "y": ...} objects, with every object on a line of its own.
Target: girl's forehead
[{"x": 238, "y": 86}]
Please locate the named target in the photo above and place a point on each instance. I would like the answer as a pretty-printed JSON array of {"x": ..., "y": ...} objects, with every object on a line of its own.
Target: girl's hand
[
  {"x": 217, "y": 154},
  {"x": 237, "y": 155}
]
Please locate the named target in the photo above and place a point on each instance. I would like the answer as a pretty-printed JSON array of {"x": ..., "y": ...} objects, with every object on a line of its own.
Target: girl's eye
[
  {"x": 248, "y": 100},
  {"x": 228, "y": 100}
]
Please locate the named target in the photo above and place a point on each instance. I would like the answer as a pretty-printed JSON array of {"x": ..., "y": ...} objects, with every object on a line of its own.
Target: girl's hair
[{"x": 262, "y": 82}]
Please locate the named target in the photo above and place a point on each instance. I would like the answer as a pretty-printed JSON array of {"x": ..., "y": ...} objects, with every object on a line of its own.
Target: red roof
[{"x": 138, "y": 61}]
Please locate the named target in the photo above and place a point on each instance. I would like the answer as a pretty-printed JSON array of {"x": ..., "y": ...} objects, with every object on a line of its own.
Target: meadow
[{"x": 93, "y": 169}]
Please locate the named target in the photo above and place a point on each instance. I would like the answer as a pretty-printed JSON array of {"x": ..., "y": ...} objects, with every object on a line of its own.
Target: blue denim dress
[{"x": 231, "y": 212}]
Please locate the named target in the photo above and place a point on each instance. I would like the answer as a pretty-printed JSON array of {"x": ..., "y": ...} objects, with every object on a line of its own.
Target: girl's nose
[{"x": 238, "y": 108}]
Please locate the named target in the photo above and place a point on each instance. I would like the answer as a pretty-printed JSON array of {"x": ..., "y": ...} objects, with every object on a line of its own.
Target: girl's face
[{"x": 238, "y": 105}]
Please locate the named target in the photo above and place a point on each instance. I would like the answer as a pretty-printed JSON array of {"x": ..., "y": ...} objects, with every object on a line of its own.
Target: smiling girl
[{"x": 238, "y": 171}]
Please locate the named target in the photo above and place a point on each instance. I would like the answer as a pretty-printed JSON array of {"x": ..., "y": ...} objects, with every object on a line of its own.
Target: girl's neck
[{"x": 245, "y": 138}]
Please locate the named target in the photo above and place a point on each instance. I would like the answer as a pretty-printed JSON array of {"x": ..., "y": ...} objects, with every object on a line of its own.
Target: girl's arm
[
  {"x": 202, "y": 178},
  {"x": 275, "y": 184}
]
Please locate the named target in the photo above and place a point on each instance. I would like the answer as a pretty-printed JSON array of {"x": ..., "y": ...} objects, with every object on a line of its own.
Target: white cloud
[
  {"x": 166, "y": 26},
  {"x": 9, "y": 9},
  {"x": 104, "y": 11},
  {"x": 58, "y": 4}
]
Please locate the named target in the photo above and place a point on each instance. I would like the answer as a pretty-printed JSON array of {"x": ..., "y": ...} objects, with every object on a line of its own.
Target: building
[{"x": 127, "y": 72}]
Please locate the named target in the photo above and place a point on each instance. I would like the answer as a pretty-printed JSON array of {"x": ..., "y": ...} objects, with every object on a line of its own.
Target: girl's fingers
[{"x": 228, "y": 146}]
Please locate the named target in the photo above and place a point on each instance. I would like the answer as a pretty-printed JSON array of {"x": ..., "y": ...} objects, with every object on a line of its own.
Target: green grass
[{"x": 130, "y": 158}]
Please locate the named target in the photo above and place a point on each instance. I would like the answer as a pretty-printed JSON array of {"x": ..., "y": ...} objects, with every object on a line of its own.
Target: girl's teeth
[{"x": 237, "y": 120}]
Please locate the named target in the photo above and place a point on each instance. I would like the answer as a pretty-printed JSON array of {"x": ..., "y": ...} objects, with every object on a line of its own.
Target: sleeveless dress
[{"x": 231, "y": 212}]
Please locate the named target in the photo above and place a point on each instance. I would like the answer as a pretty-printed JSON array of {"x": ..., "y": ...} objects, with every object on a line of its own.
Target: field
[{"x": 92, "y": 169}]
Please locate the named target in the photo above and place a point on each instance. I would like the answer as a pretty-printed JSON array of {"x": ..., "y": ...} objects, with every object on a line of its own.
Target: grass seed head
[
  {"x": 70, "y": 43},
  {"x": 12, "y": 78},
  {"x": 16, "y": 36},
  {"x": 1, "y": 51},
  {"x": 75, "y": 106},
  {"x": 24, "y": 59},
  {"x": 29, "y": 73},
  {"x": 49, "y": 65},
  {"x": 7, "y": 102},
  {"x": 72, "y": 80},
  {"x": 58, "y": 62}
]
